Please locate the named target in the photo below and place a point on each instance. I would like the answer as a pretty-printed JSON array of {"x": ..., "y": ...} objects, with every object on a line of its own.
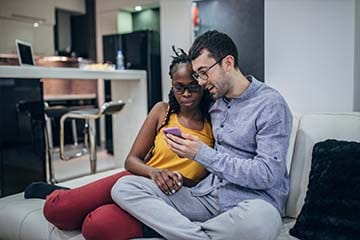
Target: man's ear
[{"x": 228, "y": 62}]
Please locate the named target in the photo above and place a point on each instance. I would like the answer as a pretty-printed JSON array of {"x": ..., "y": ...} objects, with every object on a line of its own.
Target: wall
[
  {"x": 18, "y": 16},
  {"x": 309, "y": 53},
  {"x": 16, "y": 22},
  {"x": 41, "y": 38},
  {"x": 77, "y": 6},
  {"x": 124, "y": 22},
  {"x": 357, "y": 58},
  {"x": 106, "y": 23},
  {"x": 147, "y": 20},
  {"x": 175, "y": 29}
]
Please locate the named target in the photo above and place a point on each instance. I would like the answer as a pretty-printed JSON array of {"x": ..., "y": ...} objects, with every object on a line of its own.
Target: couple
[{"x": 191, "y": 188}]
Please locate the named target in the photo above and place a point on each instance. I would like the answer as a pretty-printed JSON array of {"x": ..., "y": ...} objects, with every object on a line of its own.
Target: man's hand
[
  {"x": 169, "y": 182},
  {"x": 185, "y": 147}
]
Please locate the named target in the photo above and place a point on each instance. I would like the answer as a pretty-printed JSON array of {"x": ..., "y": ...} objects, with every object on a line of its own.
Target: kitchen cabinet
[{"x": 22, "y": 144}]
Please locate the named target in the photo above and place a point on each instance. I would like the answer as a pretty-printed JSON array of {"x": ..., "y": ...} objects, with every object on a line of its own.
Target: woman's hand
[{"x": 169, "y": 182}]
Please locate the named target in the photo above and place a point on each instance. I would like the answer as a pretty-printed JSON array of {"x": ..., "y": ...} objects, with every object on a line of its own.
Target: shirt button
[
  {"x": 228, "y": 107},
  {"x": 222, "y": 125}
]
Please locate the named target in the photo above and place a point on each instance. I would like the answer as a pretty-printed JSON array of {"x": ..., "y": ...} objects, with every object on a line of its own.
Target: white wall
[
  {"x": 357, "y": 58},
  {"x": 309, "y": 53},
  {"x": 16, "y": 22},
  {"x": 124, "y": 22},
  {"x": 106, "y": 23},
  {"x": 175, "y": 29},
  {"x": 77, "y": 6}
]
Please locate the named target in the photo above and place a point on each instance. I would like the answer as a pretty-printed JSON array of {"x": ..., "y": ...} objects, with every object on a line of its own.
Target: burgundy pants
[{"x": 91, "y": 209}]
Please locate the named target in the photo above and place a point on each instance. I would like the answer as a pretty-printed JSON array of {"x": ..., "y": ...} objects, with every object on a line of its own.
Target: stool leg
[
  {"x": 74, "y": 132},
  {"x": 92, "y": 143},
  {"x": 49, "y": 163},
  {"x": 86, "y": 134},
  {"x": 49, "y": 132}
]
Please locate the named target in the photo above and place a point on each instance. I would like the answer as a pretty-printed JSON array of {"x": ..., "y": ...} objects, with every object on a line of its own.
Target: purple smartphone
[{"x": 173, "y": 130}]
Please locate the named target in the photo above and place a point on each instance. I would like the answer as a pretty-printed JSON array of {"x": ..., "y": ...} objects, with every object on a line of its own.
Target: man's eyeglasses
[
  {"x": 202, "y": 74},
  {"x": 180, "y": 89}
]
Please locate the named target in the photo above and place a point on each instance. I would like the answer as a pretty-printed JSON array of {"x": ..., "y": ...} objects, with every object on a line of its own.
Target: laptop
[{"x": 25, "y": 53}]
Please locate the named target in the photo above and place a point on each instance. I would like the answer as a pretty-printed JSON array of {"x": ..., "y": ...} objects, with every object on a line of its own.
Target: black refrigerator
[{"x": 141, "y": 50}]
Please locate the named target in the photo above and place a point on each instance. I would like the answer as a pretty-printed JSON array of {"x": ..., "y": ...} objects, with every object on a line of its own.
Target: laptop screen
[{"x": 25, "y": 54}]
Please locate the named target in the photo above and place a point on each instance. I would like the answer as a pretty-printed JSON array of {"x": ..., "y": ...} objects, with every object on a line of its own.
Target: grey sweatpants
[{"x": 184, "y": 216}]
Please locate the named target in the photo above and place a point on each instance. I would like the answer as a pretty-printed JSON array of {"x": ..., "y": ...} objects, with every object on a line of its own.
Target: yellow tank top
[{"x": 164, "y": 158}]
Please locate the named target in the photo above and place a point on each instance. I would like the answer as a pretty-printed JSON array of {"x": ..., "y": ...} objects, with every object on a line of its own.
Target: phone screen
[{"x": 173, "y": 130}]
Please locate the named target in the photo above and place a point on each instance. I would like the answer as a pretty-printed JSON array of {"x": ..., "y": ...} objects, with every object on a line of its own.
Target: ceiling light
[
  {"x": 36, "y": 24},
  {"x": 138, "y": 8}
]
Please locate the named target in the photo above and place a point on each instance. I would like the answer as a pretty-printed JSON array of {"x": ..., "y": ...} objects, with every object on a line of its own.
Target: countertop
[{"x": 31, "y": 72}]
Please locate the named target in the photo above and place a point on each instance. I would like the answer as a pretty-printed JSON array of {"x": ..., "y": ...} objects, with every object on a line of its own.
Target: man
[{"x": 244, "y": 195}]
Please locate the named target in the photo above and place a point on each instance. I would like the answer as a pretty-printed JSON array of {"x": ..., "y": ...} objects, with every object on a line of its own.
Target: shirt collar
[
  {"x": 253, "y": 87},
  {"x": 248, "y": 93}
]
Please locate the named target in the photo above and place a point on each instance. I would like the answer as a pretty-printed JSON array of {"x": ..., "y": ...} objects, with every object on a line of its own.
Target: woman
[{"x": 91, "y": 206}]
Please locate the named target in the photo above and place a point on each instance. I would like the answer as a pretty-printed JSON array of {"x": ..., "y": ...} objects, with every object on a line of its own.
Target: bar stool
[
  {"x": 55, "y": 112},
  {"x": 89, "y": 115},
  {"x": 52, "y": 114}
]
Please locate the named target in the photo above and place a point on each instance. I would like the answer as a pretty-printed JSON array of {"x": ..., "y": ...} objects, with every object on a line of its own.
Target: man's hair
[{"x": 218, "y": 44}]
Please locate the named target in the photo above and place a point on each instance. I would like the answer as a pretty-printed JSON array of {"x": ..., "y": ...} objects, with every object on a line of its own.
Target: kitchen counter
[
  {"x": 68, "y": 73},
  {"x": 127, "y": 85},
  {"x": 69, "y": 97}
]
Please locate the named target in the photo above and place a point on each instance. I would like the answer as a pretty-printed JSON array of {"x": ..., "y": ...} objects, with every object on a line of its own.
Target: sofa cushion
[
  {"x": 332, "y": 203},
  {"x": 23, "y": 219},
  {"x": 314, "y": 128},
  {"x": 287, "y": 224}
]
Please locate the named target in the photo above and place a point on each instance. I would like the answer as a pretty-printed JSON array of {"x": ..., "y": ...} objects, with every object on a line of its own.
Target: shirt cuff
[{"x": 205, "y": 155}]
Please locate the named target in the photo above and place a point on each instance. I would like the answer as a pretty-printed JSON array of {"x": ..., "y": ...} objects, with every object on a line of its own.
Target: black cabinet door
[
  {"x": 22, "y": 144},
  {"x": 111, "y": 44},
  {"x": 142, "y": 51}
]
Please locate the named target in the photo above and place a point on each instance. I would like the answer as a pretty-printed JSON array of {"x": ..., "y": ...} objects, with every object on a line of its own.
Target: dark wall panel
[
  {"x": 83, "y": 32},
  {"x": 243, "y": 21}
]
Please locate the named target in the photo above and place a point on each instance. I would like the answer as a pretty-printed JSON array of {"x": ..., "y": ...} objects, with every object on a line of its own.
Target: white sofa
[{"x": 22, "y": 218}]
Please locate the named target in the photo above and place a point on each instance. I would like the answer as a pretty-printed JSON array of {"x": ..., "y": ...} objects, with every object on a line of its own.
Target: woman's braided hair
[{"x": 174, "y": 107}]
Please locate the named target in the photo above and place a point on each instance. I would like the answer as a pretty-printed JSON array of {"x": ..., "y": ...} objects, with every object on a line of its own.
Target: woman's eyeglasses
[
  {"x": 202, "y": 74},
  {"x": 192, "y": 88}
]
